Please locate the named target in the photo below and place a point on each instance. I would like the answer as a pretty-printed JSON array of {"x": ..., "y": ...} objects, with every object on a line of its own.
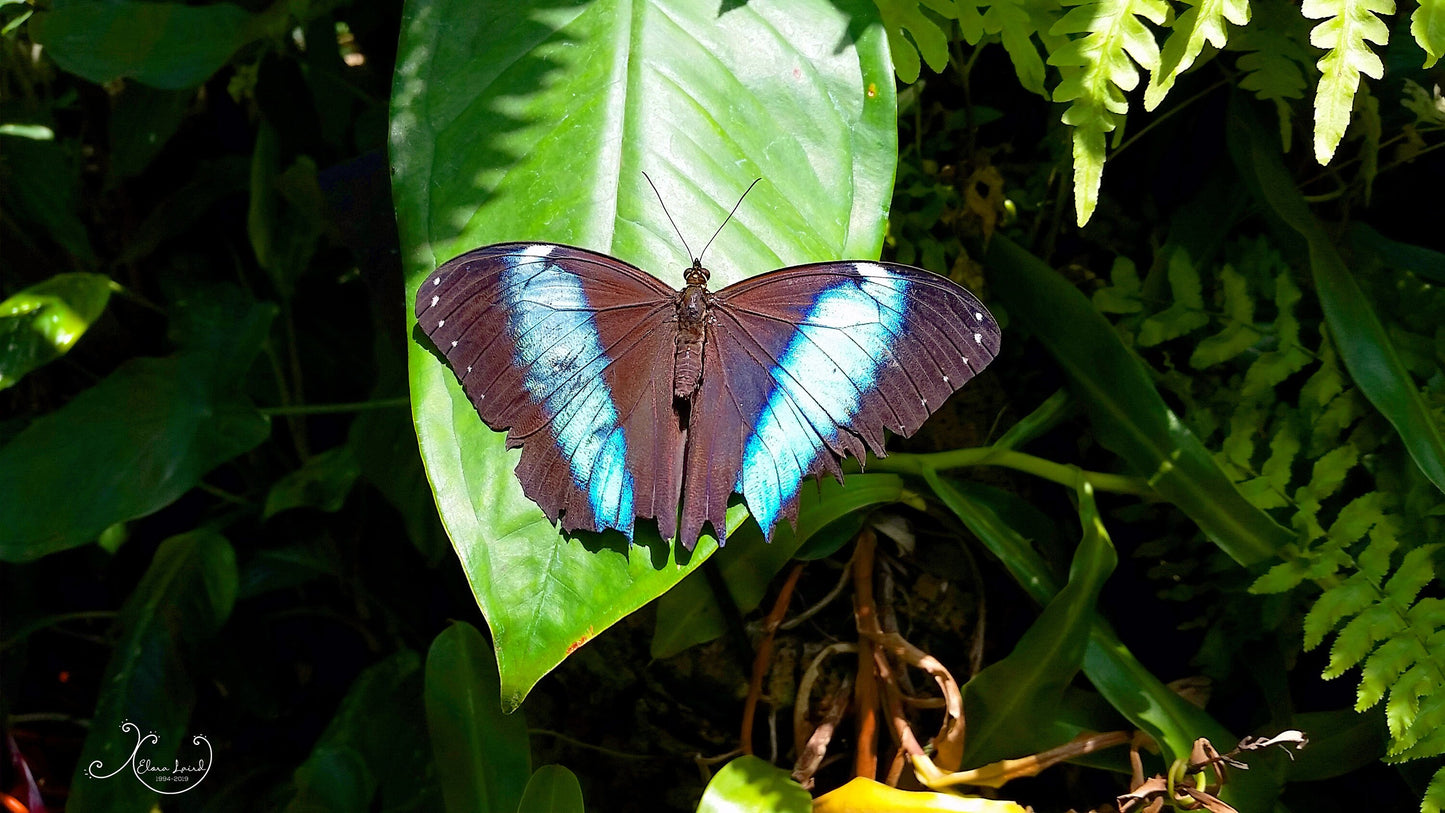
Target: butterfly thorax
[{"x": 692, "y": 303}]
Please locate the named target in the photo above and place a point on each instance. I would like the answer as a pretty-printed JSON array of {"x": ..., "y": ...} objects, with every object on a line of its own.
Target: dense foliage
[{"x": 241, "y": 498}]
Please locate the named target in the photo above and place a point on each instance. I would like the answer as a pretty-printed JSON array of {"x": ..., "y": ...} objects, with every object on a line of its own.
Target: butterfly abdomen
[{"x": 691, "y": 332}]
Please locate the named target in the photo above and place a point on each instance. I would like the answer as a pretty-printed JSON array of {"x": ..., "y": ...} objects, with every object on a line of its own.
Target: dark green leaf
[
  {"x": 143, "y": 120},
  {"x": 1340, "y": 742},
  {"x": 131, "y": 444},
  {"x": 42, "y": 322},
  {"x": 165, "y": 45},
  {"x": 183, "y": 599},
  {"x": 210, "y": 183},
  {"x": 513, "y": 124},
  {"x": 1131, "y": 688},
  {"x": 322, "y": 482},
  {"x": 1013, "y": 706},
  {"x": 1426, "y": 262},
  {"x": 279, "y": 568},
  {"x": 553, "y": 789},
  {"x": 748, "y": 784},
  {"x": 482, "y": 755},
  {"x": 384, "y": 443},
  {"x": 1128, "y": 414},
  {"x": 42, "y": 188},
  {"x": 373, "y": 746},
  {"x": 1363, "y": 344},
  {"x": 286, "y": 212}
]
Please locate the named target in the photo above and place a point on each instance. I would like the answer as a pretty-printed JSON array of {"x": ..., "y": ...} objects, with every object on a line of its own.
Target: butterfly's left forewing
[
  {"x": 811, "y": 363},
  {"x": 561, "y": 347}
]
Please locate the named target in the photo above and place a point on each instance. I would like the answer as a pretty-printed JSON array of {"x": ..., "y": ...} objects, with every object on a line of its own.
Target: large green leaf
[
  {"x": 1128, "y": 414},
  {"x": 482, "y": 754},
  {"x": 136, "y": 441},
  {"x": 1013, "y": 706},
  {"x": 183, "y": 599},
  {"x": 518, "y": 122},
  {"x": 164, "y": 45},
  {"x": 42, "y": 322},
  {"x": 1363, "y": 343}
]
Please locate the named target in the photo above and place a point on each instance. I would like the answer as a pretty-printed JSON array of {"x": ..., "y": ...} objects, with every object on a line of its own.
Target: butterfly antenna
[
  {"x": 729, "y": 217},
  {"x": 669, "y": 216}
]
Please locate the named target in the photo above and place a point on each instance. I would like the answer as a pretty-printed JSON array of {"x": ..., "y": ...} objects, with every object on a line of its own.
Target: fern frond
[
  {"x": 1276, "y": 51},
  {"x": 1202, "y": 23},
  {"x": 1097, "y": 70},
  {"x": 1429, "y": 109},
  {"x": 1122, "y": 295},
  {"x": 1434, "y": 801},
  {"x": 1348, "y": 28},
  {"x": 1427, "y": 26},
  {"x": 1381, "y": 609},
  {"x": 1015, "y": 23},
  {"x": 1239, "y": 333},
  {"x": 1186, "y": 314},
  {"x": 1275, "y": 366},
  {"x": 1338, "y": 603},
  {"x": 912, "y": 33},
  {"x": 1383, "y": 668}
]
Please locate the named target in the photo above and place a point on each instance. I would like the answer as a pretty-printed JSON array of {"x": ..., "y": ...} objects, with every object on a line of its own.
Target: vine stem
[
  {"x": 1061, "y": 473},
  {"x": 326, "y": 409}
]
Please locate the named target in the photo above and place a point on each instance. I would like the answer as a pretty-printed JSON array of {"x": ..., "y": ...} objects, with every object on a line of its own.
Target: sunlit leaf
[
  {"x": 42, "y": 322},
  {"x": 749, "y": 784}
]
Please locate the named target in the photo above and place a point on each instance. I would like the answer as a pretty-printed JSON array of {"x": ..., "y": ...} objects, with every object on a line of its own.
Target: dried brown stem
[
  {"x": 764, "y": 656},
  {"x": 865, "y": 688},
  {"x": 810, "y": 756},
  {"x": 801, "y": 734}
]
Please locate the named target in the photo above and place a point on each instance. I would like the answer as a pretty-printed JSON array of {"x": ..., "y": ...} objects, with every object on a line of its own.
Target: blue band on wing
[
  {"x": 829, "y": 364},
  {"x": 557, "y": 344}
]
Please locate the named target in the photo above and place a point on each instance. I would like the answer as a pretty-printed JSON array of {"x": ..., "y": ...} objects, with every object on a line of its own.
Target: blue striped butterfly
[{"x": 632, "y": 399}]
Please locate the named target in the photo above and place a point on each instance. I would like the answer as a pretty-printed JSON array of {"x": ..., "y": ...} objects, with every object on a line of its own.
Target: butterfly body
[
  {"x": 630, "y": 398},
  {"x": 692, "y": 305}
]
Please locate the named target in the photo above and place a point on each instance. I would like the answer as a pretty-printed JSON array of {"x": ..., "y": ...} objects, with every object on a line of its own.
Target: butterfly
[{"x": 630, "y": 398}]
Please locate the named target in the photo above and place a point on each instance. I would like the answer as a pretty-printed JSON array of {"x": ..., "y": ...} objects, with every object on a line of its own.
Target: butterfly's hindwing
[
  {"x": 811, "y": 363},
  {"x": 557, "y": 345}
]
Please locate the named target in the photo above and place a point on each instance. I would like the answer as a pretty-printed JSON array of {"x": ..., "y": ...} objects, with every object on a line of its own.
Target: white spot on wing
[
  {"x": 978, "y": 338},
  {"x": 454, "y": 342},
  {"x": 978, "y": 316},
  {"x": 435, "y": 300},
  {"x": 436, "y": 280},
  {"x": 441, "y": 322}
]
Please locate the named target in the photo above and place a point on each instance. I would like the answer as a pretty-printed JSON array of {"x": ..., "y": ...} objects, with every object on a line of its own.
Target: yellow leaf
[{"x": 866, "y": 796}]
